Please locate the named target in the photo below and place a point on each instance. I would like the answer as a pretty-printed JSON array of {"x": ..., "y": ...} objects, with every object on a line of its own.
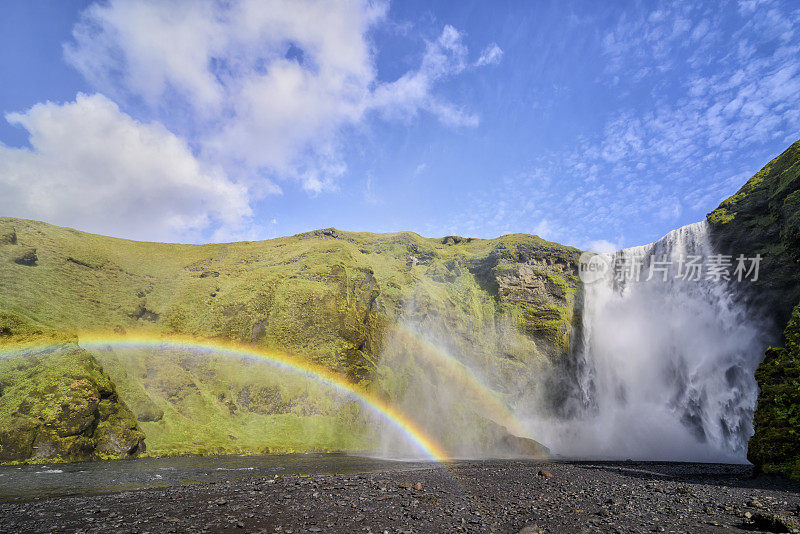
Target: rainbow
[
  {"x": 379, "y": 407},
  {"x": 488, "y": 399}
]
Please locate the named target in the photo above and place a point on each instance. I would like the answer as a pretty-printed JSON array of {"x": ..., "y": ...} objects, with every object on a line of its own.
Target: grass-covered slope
[
  {"x": 327, "y": 296},
  {"x": 775, "y": 446},
  {"x": 189, "y": 403}
]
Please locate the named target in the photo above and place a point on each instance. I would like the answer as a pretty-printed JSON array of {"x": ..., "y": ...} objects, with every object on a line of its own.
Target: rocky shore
[{"x": 487, "y": 496}]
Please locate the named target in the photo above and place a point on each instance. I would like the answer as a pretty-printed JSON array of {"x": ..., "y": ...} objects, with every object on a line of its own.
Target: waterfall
[{"x": 665, "y": 368}]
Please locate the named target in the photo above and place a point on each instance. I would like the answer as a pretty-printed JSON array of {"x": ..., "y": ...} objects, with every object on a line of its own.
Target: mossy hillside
[
  {"x": 324, "y": 296},
  {"x": 508, "y": 304},
  {"x": 197, "y": 403},
  {"x": 58, "y": 404},
  {"x": 775, "y": 445},
  {"x": 763, "y": 217}
]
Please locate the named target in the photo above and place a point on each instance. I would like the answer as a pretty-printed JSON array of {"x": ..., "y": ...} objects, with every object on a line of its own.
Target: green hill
[{"x": 505, "y": 305}]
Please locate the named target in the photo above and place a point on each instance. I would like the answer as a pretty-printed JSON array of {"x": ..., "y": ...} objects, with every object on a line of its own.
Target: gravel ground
[{"x": 486, "y": 496}]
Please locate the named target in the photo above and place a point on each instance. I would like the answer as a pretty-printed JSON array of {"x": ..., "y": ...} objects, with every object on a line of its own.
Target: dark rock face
[
  {"x": 763, "y": 217},
  {"x": 59, "y": 404},
  {"x": 775, "y": 446}
]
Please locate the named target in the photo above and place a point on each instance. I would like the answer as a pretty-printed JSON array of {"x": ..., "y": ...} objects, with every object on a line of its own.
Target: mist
[
  {"x": 451, "y": 382},
  {"x": 661, "y": 370},
  {"x": 664, "y": 368}
]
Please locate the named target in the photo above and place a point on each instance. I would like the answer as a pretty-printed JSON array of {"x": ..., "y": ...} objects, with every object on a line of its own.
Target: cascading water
[{"x": 666, "y": 365}]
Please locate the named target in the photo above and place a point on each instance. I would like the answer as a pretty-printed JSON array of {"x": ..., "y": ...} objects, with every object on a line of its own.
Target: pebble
[{"x": 513, "y": 496}]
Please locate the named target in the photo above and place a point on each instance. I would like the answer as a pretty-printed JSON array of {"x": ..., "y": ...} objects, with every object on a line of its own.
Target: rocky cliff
[
  {"x": 763, "y": 217},
  {"x": 58, "y": 404}
]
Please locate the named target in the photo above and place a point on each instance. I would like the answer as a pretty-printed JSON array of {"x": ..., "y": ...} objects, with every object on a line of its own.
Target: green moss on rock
[
  {"x": 56, "y": 403},
  {"x": 763, "y": 218},
  {"x": 775, "y": 446}
]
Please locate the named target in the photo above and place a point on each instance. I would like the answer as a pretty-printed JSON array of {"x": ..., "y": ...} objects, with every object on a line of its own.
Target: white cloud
[
  {"x": 265, "y": 87},
  {"x": 491, "y": 55},
  {"x": 412, "y": 92},
  {"x": 92, "y": 167}
]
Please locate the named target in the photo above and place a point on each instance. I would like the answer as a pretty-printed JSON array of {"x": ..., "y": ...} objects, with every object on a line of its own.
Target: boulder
[{"x": 58, "y": 404}]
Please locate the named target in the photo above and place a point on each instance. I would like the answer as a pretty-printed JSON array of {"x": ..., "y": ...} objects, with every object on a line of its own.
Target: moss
[
  {"x": 58, "y": 404},
  {"x": 763, "y": 217},
  {"x": 720, "y": 216},
  {"x": 775, "y": 445},
  {"x": 214, "y": 405},
  {"x": 87, "y": 258}
]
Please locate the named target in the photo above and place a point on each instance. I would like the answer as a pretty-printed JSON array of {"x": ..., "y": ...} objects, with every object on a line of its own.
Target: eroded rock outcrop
[{"x": 56, "y": 403}]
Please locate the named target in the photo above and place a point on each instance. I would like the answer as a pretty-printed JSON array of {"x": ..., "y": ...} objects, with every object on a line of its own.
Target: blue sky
[{"x": 589, "y": 123}]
